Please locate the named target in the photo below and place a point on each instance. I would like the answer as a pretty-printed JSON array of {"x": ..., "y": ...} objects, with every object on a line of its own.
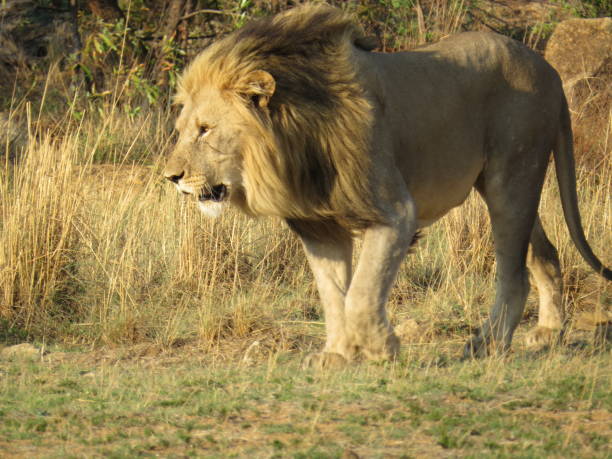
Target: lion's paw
[
  {"x": 387, "y": 350},
  {"x": 479, "y": 346},
  {"x": 475, "y": 348},
  {"x": 325, "y": 361},
  {"x": 542, "y": 336}
]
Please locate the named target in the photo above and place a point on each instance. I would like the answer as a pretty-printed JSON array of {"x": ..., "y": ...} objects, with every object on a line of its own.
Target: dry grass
[
  {"x": 94, "y": 248},
  {"x": 110, "y": 254}
]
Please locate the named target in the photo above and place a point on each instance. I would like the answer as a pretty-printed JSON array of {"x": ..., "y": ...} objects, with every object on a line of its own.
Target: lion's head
[
  {"x": 275, "y": 121},
  {"x": 207, "y": 162}
]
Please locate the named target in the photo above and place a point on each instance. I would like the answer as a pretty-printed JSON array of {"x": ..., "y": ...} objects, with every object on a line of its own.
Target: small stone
[
  {"x": 23, "y": 351},
  {"x": 409, "y": 330},
  {"x": 349, "y": 454}
]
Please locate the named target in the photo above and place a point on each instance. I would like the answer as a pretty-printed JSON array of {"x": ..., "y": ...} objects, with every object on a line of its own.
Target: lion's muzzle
[
  {"x": 197, "y": 186},
  {"x": 216, "y": 194}
]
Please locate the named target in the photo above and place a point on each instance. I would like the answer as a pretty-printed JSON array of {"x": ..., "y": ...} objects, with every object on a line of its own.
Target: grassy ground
[{"x": 184, "y": 402}]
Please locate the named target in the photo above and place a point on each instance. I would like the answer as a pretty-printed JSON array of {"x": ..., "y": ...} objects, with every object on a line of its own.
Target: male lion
[{"x": 294, "y": 116}]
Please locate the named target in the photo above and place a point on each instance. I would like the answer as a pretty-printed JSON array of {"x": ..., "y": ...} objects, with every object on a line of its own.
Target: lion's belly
[
  {"x": 430, "y": 212},
  {"x": 433, "y": 201}
]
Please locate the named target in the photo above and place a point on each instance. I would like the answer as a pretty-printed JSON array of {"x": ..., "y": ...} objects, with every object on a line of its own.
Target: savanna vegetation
[{"x": 161, "y": 333}]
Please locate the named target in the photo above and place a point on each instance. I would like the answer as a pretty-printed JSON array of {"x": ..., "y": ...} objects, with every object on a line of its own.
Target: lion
[{"x": 296, "y": 116}]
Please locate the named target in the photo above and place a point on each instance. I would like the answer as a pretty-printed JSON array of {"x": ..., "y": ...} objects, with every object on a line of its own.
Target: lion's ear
[{"x": 258, "y": 86}]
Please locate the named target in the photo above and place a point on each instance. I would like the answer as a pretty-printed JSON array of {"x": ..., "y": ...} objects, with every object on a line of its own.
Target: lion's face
[
  {"x": 207, "y": 161},
  {"x": 215, "y": 126}
]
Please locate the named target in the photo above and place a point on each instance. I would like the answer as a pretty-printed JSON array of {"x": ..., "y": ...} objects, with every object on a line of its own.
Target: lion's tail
[{"x": 566, "y": 176}]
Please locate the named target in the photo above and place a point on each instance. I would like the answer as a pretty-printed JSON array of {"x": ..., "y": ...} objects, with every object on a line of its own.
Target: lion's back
[{"x": 491, "y": 53}]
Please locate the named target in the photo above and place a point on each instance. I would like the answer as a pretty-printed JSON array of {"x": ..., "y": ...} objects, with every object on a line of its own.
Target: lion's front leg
[
  {"x": 384, "y": 248},
  {"x": 330, "y": 262}
]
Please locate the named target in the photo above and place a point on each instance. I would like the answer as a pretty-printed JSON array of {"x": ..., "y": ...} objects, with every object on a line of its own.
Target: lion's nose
[{"x": 173, "y": 177}]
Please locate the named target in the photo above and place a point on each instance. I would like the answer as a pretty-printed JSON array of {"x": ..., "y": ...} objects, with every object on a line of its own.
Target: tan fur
[{"x": 295, "y": 117}]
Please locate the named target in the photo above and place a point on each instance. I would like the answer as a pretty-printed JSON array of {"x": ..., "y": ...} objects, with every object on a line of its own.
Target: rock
[
  {"x": 409, "y": 331},
  {"x": 590, "y": 320},
  {"x": 581, "y": 48},
  {"x": 599, "y": 321},
  {"x": 581, "y": 51},
  {"x": 23, "y": 351}
]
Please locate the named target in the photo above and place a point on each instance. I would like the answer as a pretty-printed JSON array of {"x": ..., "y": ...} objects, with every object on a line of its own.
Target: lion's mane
[{"x": 308, "y": 160}]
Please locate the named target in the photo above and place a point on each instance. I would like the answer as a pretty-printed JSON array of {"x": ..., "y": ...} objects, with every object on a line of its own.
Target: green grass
[{"x": 188, "y": 403}]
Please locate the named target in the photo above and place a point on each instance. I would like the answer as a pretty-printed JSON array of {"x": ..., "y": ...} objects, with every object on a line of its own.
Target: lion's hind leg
[
  {"x": 512, "y": 197},
  {"x": 512, "y": 287},
  {"x": 543, "y": 262}
]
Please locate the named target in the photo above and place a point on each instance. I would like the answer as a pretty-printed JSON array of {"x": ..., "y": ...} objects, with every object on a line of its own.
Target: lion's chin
[{"x": 211, "y": 209}]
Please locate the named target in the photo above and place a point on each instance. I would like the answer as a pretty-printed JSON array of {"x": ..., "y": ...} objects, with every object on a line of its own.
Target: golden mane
[{"x": 308, "y": 161}]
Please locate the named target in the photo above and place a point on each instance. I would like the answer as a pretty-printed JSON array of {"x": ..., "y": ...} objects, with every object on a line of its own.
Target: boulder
[
  {"x": 581, "y": 51},
  {"x": 581, "y": 48}
]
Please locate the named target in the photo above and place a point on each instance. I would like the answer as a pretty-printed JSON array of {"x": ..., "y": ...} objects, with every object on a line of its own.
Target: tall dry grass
[
  {"x": 95, "y": 248},
  {"x": 109, "y": 253}
]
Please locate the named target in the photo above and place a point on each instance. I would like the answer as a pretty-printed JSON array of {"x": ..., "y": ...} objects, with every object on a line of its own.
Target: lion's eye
[{"x": 203, "y": 130}]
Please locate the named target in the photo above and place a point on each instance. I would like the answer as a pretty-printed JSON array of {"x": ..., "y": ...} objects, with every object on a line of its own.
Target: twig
[
  {"x": 208, "y": 11},
  {"x": 304, "y": 322},
  {"x": 196, "y": 37}
]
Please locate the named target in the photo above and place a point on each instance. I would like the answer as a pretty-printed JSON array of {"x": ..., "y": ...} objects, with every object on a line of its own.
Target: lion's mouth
[{"x": 216, "y": 194}]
